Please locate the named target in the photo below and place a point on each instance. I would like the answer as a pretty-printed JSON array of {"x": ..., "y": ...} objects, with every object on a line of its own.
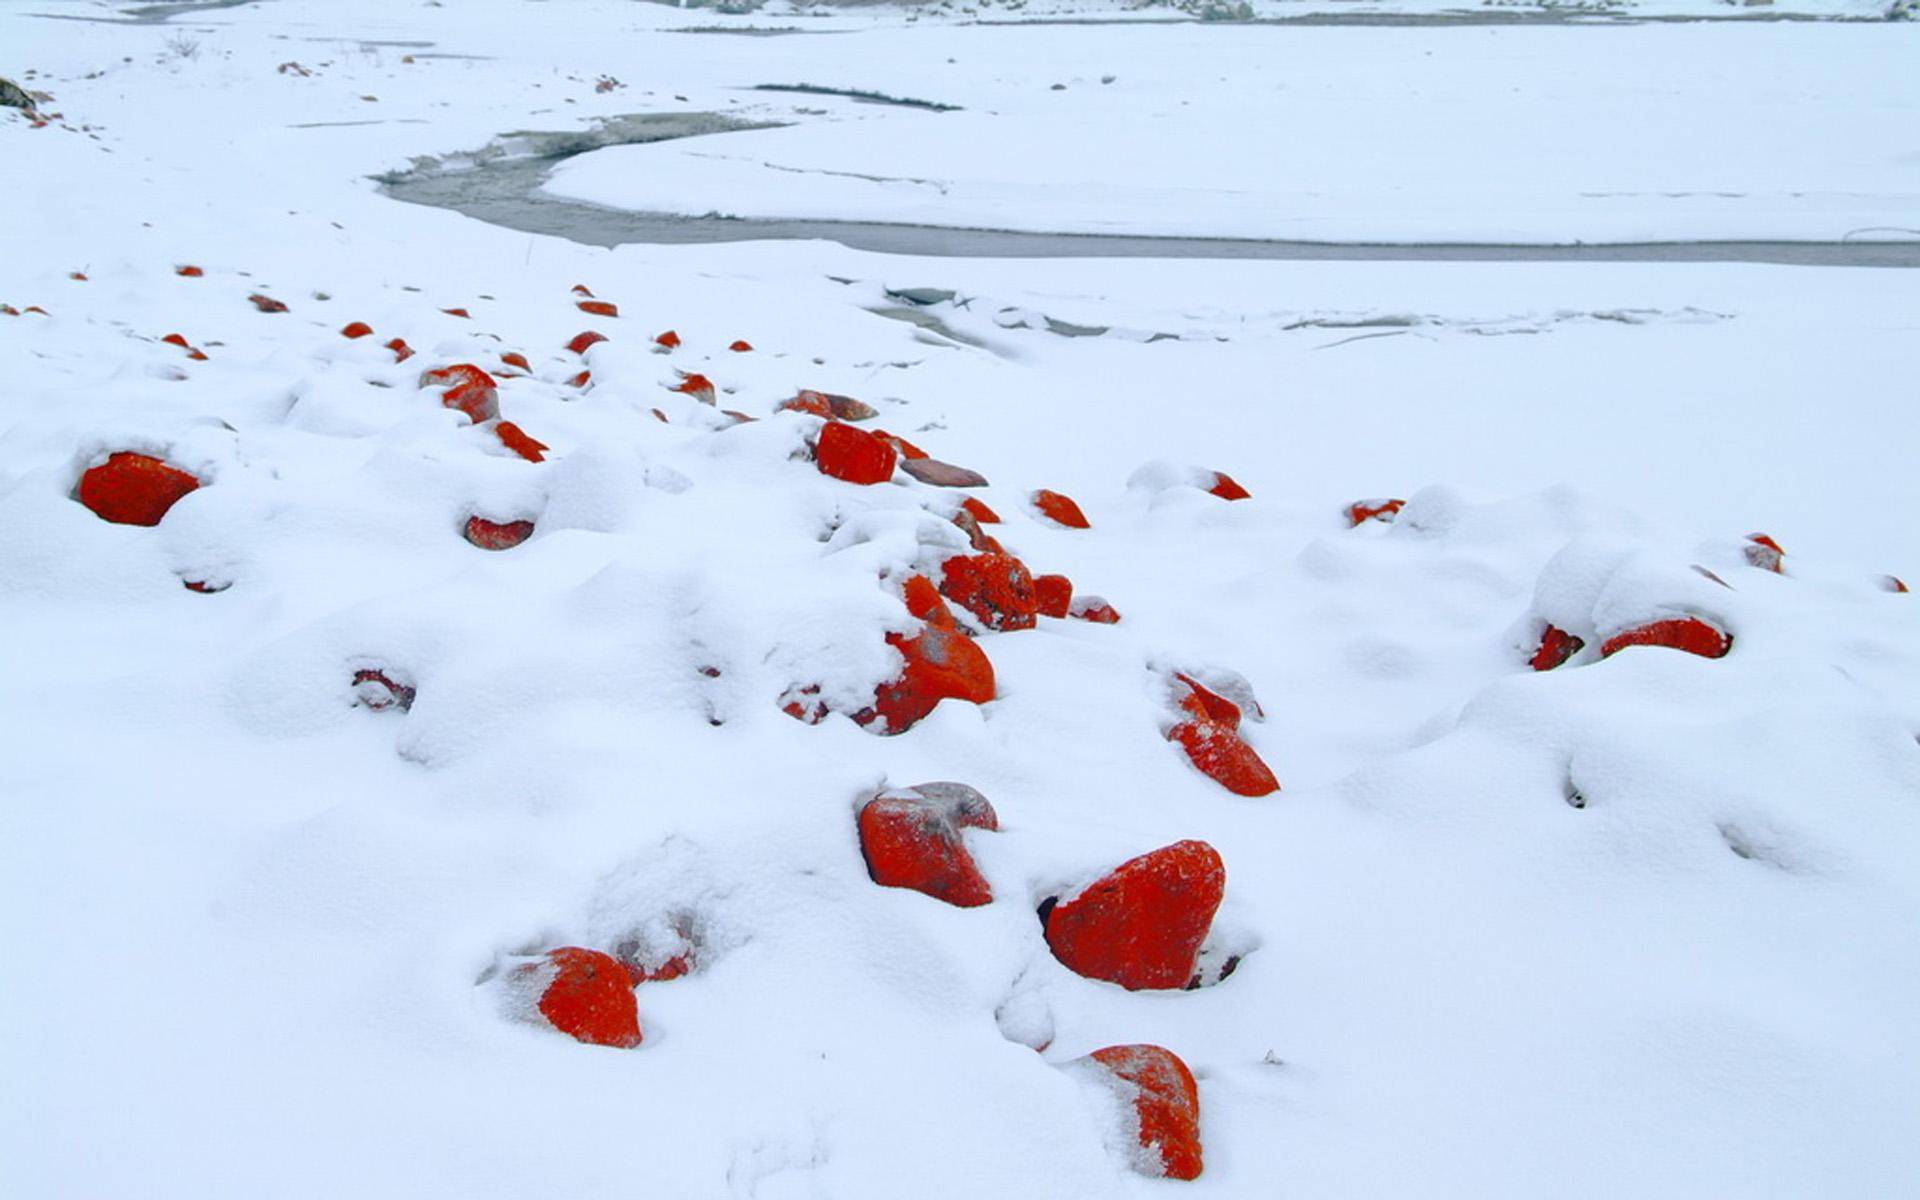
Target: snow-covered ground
[{"x": 1636, "y": 927}]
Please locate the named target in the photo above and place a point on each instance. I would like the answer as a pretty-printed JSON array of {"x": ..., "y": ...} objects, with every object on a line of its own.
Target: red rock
[
  {"x": 267, "y": 304},
  {"x": 581, "y": 289},
  {"x": 981, "y": 513},
  {"x": 912, "y": 840},
  {"x": 1892, "y": 583},
  {"x": 469, "y": 389},
  {"x": 581, "y": 380},
  {"x": 976, "y": 537},
  {"x": 1218, "y": 752},
  {"x": 941, "y": 664},
  {"x": 1680, "y": 633},
  {"x": 35, "y": 308},
  {"x": 9, "y": 310},
  {"x": 457, "y": 312},
  {"x": 133, "y": 489},
  {"x": 667, "y": 340},
  {"x": 923, "y": 600},
  {"x": 515, "y": 439},
  {"x": 1361, "y": 511},
  {"x": 176, "y": 339},
  {"x": 189, "y": 271},
  {"x": 1765, "y": 553},
  {"x": 1059, "y": 509},
  {"x": 379, "y": 691},
  {"x": 901, "y": 446},
  {"x": 1053, "y": 594},
  {"x": 853, "y": 454},
  {"x": 803, "y": 704},
  {"x": 740, "y": 347},
  {"x": 1225, "y": 488},
  {"x": 1166, "y": 1108},
  {"x": 811, "y": 403},
  {"x": 401, "y": 351},
  {"x": 995, "y": 588},
  {"x": 1203, "y": 703},
  {"x": 78, "y": 275},
  {"x": 1095, "y": 609},
  {"x": 497, "y": 535},
  {"x": 513, "y": 358},
  {"x": 590, "y": 998},
  {"x": 1142, "y": 924},
  {"x": 934, "y": 473},
  {"x": 739, "y": 418},
  {"x": 356, "y": 329},
  {"x": 584, "y": 339},
  {"x": 205, "y": 587},
  {"x": 662, "y": 416},
  {"x": 599, "y": 308},
  {"x": 697, "y": 386},
  {"x": 1556, "y": 647}
]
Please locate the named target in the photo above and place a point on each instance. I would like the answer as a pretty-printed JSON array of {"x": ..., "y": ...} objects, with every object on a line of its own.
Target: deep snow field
[{"x": 1643, "y": 926}]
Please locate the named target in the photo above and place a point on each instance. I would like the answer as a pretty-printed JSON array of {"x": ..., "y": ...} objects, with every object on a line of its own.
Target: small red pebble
[
  {"x": 853, "y": 454},
  {"x": 515, "y": 439},
  {"x": 1166, "y": 1108},
  {"x": 1095, "y": 609},
  {"x": 1053, "y": 594},
  {"x": 996, "y": 588},
  {"x": 981, "y": 513},
  {"x": 35, "y": 308},
  {"x": 902, "y": 446},
  {"x": 9, "y": 310},
  {"x": 78, "y": 275},
  {"x": 1678, "y": 633},
  {"x": 1556, "y": 647},
  {"x": 1362, "y": 511},
  {"x": 941, "y": 664},
  {"x": 1225, "y": 488},
  {"x": 1893, "y": 583},
  {"x": 469, "y": 389},
  {"x": 177, "y": 339},
  {"x": 513, "y": 358},
  {"x": 401, "y": 351},
  {"x": 1141, "y": 925},
  {"x": 356, "y": 329},
  {"x": 599, "y": 308},
  {"x": 133, "y": 489},
  {"x": 1219, "y": 753},
  {"x": 740, "y": 347},
  {"x": 590, "y": 998},
  {"x": 457, "y": 312},
  {"x": 581, "y": 289},
  {"x": 189, "y": 271},
  {"x": 1059, "y": 509},
  {"x": 910, "y": 838},
  {"x": 267, "y": 304},
  {"x": 695, "y": 385},
  {"x": 496, "y": 535},
  {"x": 581, "y": 380},
  {"x": 379, "y": 691},
  {"x": 584, "y": 339},
  {"x": 667, "y": 340},
  {"x": 1765, "y": 553},
  {"x": 205, "y": 587},
  {"x": 662, "y": 416},
  {"x": 1203, "y": 703},
  {"x": 811, "y": 403}
]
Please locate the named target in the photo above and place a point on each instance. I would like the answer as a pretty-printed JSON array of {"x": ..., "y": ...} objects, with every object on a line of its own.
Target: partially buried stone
[
  {"x": 133, "y": 489},
  {"x": 1165, "y": 1108},
  {"x": 935, "y": 473},
  {"x": 497, "y": 535},
  {"x": 589, "y": 998},
  {"x": 1142, "y": 924},
  {"x": 911, "y": 838}
]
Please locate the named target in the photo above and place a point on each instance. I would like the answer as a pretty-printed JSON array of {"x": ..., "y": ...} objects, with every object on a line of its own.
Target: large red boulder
[
  {"x": 1165, "y": 1103},
  {"x": 941, "y": 664},
  {"x": 133, "y": 489},
  {"x": 1203, "y": 703},
  {"x": 1053, "y": 595},
  {"x": 911, "y": 839},
  {"x": 996, "y": 588},
  {"x": 1141, "y": 925},
  {"x": 853, "y": 454},
  {"x": 589, "y": 998},
  {"x": 1690, "y": 634}
]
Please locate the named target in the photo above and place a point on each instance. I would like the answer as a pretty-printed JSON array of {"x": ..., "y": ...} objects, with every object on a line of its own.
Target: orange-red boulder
[
  {"x": 1219, "y": 752},
  {"x": 905, "y": 448},
  {"x": 1165, "y": 1104},
  {"x": 667, "y": 340},
  {"x": 599, "y": 308},
  {"x": 1095, "y": 609},
  {"x": 1059, "y": 509},
  {"x": 469, "y": 389},
  {"x": 189, "y": 271},
  {"x": 356, "y": 329},
  {"x": 980, "y": 511},
  {"x": 811, "y": 403},
  {"x": 695, "y": 385},
  {"x": 497, "y": 535},
  {"x": 741, "y": 346},
  {"x": 941, "y": 664},
  {"x": 1556, "y": 647},
  {"x": 853, "y": 454},
  {"x": 133, "y": 489},
  {"x": 1053, "y": 595},
  {"x": 515, "y": 439},
  {"x": 584, "y": 339},
  {"x": 513, "y": 358},
  {"x": 1141, "y": 925},
  {"x": 996, "y": 588},
  {"x": 1203, "y": 703},
  {"x": 1225, "y": 488},
  {"x": 910, "y": 838},
  {"x": 590, "y": 997},
  {"x": 401, "y": 351},
  {"x": 1690, "y": 634}
]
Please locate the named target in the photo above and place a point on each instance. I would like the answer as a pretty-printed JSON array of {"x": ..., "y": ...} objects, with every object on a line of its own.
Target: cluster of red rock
[{"x": 1141, "y": 926}]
